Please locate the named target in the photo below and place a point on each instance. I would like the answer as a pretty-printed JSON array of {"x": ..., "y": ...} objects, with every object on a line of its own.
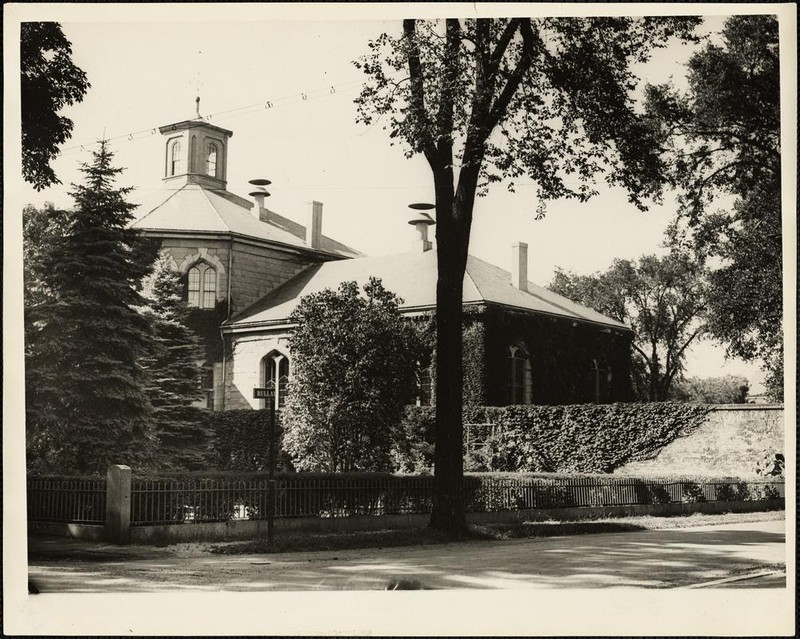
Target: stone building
[{"x": 247, "y": 267}]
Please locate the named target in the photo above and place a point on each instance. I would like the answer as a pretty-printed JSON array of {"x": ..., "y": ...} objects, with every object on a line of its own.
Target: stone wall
[
  {"x": 257, "y": 270},
  {"x": 731, "y": 442}
]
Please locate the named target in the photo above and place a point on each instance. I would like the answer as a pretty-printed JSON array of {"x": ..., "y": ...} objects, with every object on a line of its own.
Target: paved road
[{"x": 648, "y": 559}]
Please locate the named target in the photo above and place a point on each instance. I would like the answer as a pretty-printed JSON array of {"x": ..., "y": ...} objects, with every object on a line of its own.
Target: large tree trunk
[{"x": 454, "y": 218}]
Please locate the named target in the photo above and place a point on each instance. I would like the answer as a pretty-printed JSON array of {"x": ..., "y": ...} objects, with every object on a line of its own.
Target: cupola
[{"x": 196, "y": 152}]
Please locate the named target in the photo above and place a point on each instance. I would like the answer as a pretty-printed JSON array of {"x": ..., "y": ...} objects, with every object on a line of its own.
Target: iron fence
[
  {"x": 172, "y": 502},
  {"x": 67, "y": 500},
  {"x": 176, "y": 501}
]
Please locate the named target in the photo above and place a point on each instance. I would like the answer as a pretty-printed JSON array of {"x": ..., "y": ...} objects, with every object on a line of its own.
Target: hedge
[
  {"x": 587, "y": 438},
  {"x": 239, "y": 440}
]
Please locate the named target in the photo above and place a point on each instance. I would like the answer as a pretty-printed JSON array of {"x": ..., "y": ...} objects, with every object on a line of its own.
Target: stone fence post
[{"x": 118, "y": 504}]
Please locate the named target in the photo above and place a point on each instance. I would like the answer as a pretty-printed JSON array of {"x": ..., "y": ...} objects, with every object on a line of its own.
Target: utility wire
[{"x": 267, "y": 105}]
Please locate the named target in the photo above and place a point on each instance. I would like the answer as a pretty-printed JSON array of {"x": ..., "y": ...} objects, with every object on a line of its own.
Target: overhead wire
[{"x": 263, "y": 105}]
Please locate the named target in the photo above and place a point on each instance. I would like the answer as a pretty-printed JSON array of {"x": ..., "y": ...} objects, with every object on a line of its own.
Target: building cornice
[{"x": 243, "y": 239}]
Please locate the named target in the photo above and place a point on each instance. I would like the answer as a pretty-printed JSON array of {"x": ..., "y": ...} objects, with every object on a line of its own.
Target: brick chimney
[
  {"x": 519, "y": 265},
  {"x": 314, "y": 226}
]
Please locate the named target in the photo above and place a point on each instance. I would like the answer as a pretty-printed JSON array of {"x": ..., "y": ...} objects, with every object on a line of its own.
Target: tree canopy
[
  {"x": 49, "y": 82},
  {"x": 86, "y": 405},
  {"x": 722, "y": 146},
  {"x": 485, "y": 100},
  {"x": 728, "y": 389},
  {"x": 353, "y": 359},
  {"x": 663, "y": 299}
]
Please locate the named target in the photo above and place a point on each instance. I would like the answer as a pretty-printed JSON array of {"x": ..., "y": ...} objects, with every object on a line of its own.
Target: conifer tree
[
  {"x": 86, "y": 401},
  {"x": 174, "y": 372}
]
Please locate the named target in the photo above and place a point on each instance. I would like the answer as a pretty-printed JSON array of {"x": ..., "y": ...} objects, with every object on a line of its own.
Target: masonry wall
[
  {"x": 244, "y": 369},
  {"x": 186, "y": 252},
  {"x": 731, "y": 442},
  {"x": 258, "y": 270}
]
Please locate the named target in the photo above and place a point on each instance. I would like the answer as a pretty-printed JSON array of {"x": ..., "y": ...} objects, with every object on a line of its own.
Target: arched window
[
  {"x": 520, "y": 379},
  {"x": 424, "y": 383},
  {"x": 211, "y": 160},
  {"x": 275, "y": 373},
  {"x": 602, "y": 378},
  {"x": 202, "y": 286},
  {"x": 207, "y": 385},
  {"x": 175, "y": 164}
]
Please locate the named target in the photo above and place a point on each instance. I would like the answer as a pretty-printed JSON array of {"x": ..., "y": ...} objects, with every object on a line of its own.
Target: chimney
[
  {"x": 421, "y": 221},
  {"x": 314, "y": 226},
  {"x": 259, "y": 194},
  {"x": 519, "y": 265}
]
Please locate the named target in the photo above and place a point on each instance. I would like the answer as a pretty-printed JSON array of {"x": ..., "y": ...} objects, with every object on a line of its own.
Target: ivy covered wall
[{"x": 562, "y": 355}]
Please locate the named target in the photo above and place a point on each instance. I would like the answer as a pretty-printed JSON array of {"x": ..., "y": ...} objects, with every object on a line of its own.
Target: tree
[
  {"x": 49, "y": 82},
  {"x": 722, "y": 143},
  {"x": 354, "y": 358},
  {"x": 86, "y": 405},
  {"x": 173, "y": 365},
  {"x": 484, "y": 100},
  {"x": 728, "y": 389},
  {"x": 40, "y": 229},
  {"x": 661, "y": 299}
]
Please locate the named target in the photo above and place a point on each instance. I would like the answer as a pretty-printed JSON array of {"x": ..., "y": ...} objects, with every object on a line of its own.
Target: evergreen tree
[
  {"x": 86, "y": 401},
  {"x": 174, "y": 372}
]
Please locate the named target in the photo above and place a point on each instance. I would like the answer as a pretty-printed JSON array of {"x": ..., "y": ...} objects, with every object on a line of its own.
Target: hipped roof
[
  {"x": 412, "y": 276},
  {"x": 199, "y": 209}
]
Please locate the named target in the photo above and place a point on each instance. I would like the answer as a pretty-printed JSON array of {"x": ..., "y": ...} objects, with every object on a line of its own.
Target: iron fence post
[{"x": 271, "y": 463}]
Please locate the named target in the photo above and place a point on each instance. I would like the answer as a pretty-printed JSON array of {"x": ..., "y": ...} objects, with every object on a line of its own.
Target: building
[{"x": 247, "y": 267}]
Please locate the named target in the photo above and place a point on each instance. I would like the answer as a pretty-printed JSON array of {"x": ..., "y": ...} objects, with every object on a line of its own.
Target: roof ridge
[
  {"x": 214, "y": 208},
  {"x": 161, "y": 203}
]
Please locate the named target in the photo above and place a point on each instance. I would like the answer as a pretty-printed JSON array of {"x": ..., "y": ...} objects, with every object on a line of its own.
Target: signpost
[{"x": 268, "y": 394}]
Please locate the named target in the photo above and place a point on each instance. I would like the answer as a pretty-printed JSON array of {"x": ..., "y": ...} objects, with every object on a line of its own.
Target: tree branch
[{"x": 424, "y": 125}]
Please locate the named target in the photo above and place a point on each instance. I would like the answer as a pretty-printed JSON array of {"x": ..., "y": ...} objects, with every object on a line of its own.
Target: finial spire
[{"x": 197, "y": 106}]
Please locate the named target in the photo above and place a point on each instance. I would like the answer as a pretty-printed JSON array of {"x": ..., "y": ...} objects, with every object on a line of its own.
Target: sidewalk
[{"x": 646, "y": 559}]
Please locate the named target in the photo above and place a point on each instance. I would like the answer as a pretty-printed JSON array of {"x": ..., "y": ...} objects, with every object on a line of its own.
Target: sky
[{"x": 145, "y": 74}]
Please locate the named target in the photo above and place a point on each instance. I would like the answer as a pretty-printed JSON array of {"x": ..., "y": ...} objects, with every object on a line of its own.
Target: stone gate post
[{"x": 118, "y": 504}]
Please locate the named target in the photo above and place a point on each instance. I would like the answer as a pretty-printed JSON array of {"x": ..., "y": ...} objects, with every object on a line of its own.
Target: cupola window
[
  {"x": 175, "y": 164},
  {"x": 211, "y": 160}
]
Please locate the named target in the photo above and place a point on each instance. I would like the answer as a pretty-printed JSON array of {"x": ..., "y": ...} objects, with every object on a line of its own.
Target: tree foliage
[
  {"x": 86, "y": 405},
  {"x": 173, "y": 365},
  {"x": 483, "y": 100},
  {"x": 722, "y": 142},
  {"x": 728, "y": 389},
  {"x": 354, "y": 360},
  {"x": 663, "y": 299},
  {"x": 49, "y": 82}
]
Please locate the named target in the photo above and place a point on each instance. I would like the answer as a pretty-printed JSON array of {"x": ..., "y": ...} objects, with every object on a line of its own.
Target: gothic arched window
[
  {"x": 275, "y": 373},
  {"x": 202, "y": 286},
  {"x": 520, "y": 379},
  {"x": 602, "y": 377},
  {"x": 175, "y": 164},
  {"x": 211, "y": 160}
]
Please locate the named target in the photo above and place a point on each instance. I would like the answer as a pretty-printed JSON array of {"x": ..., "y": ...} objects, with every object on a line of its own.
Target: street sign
[{"x": 263, "y": 393}]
